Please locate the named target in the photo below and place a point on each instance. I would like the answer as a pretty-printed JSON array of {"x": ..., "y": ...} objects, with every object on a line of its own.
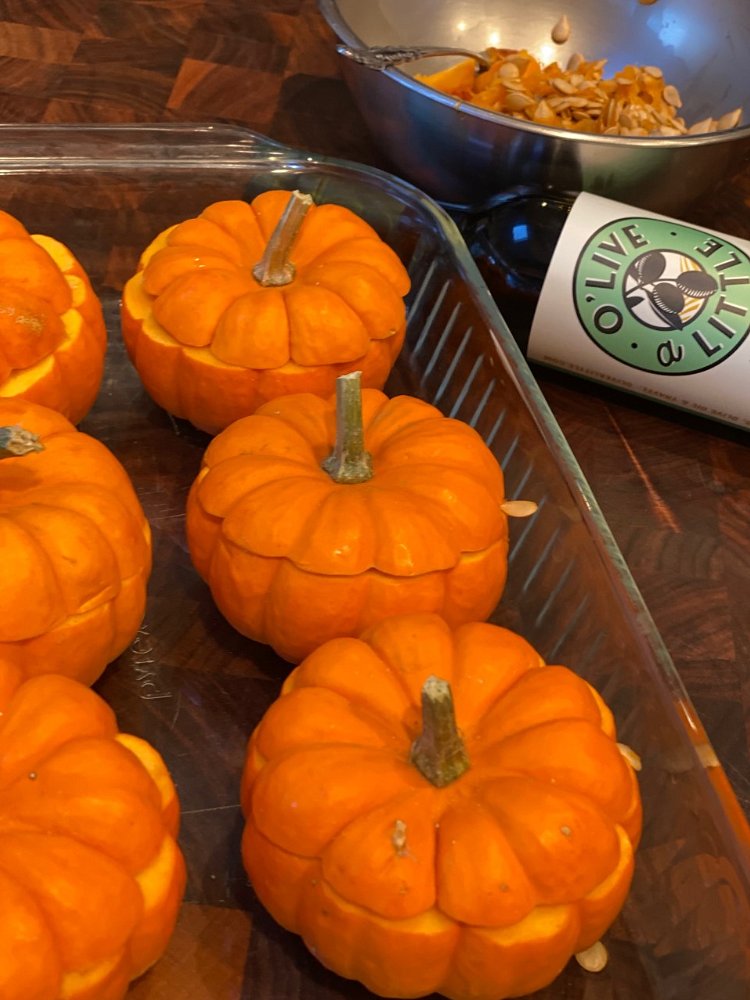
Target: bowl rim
[{"x": 349, "y": 40}]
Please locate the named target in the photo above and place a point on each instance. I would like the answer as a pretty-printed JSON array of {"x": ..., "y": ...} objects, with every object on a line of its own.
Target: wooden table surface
[{"x": 675, "y": 489}]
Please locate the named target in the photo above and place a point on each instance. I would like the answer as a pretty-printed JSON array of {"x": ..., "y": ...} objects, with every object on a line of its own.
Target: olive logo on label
[{"x": 663, "y": 297}]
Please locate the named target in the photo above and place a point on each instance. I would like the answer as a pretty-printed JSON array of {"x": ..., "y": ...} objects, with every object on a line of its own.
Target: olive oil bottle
[{"x": 622, "y": 296}]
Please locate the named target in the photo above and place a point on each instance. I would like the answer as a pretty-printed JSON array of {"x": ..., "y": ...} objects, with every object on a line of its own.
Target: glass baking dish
[{"x": 195, "y": 688}]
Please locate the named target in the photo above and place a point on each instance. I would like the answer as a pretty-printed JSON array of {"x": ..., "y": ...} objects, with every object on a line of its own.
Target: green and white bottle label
[{"x": 651, "y": 305}]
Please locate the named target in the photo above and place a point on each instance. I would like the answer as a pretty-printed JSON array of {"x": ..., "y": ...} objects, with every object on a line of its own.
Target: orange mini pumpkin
[
  {"x": 248, "y": 302},
  {"x": 91, "y": 877},
  {"x": 296, "y": 553},
  {"x": 52, "y": 334},
  {"x": 75, "y": 548},
  {"x": 469, "y": 848}
]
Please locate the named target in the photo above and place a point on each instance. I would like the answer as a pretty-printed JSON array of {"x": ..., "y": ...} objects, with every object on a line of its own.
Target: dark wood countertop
[{"x": 674, "y": 488}]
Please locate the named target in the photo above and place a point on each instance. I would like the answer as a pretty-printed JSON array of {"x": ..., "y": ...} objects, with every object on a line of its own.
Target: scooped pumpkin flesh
[
  {"x": 91, "y": 877},
  {"x": 294, "y": 558},
  {"x": 480, "y": 889},
  {"x": 52, "y": 333},
  {"x": 211, "y": 342}
]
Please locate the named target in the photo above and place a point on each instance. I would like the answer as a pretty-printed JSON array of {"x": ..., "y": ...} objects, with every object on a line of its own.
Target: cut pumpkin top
[
  {"x": 347, "y": 288},
  {"x": 435, "y": 493},
  {"x": 33, "y": 297},
  {"x": 540, "y": 818}
]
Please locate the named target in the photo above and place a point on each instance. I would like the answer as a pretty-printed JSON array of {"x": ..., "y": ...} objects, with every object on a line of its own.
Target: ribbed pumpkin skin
[
  {"x": 294, "y": 558},
  {"x": 91, "y": 877},
  {"x": 76, "y": 551},
  {"x": 479, "y": 890},
  {"x": 52, "y": 334},
  {"x": 211, "y": 344}
]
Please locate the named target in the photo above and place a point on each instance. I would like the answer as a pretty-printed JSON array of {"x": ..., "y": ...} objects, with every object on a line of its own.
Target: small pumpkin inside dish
[
  {"x": 316, "y": 518},
  {"x": 75, "y": 543},
  {"x": 438, "y": 810},
  {"x": 250, "y": 301},
  {"x": 52, "y": 334},
  {"x": 91, "y": 877}
]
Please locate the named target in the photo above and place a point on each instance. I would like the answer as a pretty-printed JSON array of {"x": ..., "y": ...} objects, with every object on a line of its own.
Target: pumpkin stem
[
  {"x": 16, "y": 441},
  {"x": 349, "y": 462},
  {"x": 275, "y": 268},
  {"x": 438, "y": 752}
]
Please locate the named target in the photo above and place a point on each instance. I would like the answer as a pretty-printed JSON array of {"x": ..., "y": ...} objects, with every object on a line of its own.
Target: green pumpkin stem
[
  {"x": 275, "y": 268},
  {"x": 14, "y": 440},
  {"x": 438, "y": 752},
  {"x": 349, "y": 462}
]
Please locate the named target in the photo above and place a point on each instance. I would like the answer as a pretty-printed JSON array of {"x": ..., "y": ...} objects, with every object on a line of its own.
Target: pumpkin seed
[
  {"x": 514, "y": 83},
  {"x": 672, "y": 96},
  {"x": 518, "y": 101},
  {"x": 561, "y": 31},
  {"x": 564, "y": 86},
  {"x": 543, "y": 114},
  {"x": 593, "y": 959},
  {"x": 574, "y": 62},
  {"x": 630, "y": 756},
  {"x": 509, "y": 71},
  {"x": 730, "y": 119},
  {"x": 519, "y": 508},
  {"x": 703, "y": 126}
]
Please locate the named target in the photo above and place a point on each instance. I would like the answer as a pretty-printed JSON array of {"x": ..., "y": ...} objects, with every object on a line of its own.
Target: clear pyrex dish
[{"x": 195, "y": 688}]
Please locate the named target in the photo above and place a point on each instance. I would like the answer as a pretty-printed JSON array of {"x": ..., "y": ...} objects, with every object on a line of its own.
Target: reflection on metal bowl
[{"x": 464, "y": 155}]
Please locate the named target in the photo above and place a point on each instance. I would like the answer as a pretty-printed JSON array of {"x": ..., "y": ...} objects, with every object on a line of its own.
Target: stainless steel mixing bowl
[{"x": 464, "y": 155}]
